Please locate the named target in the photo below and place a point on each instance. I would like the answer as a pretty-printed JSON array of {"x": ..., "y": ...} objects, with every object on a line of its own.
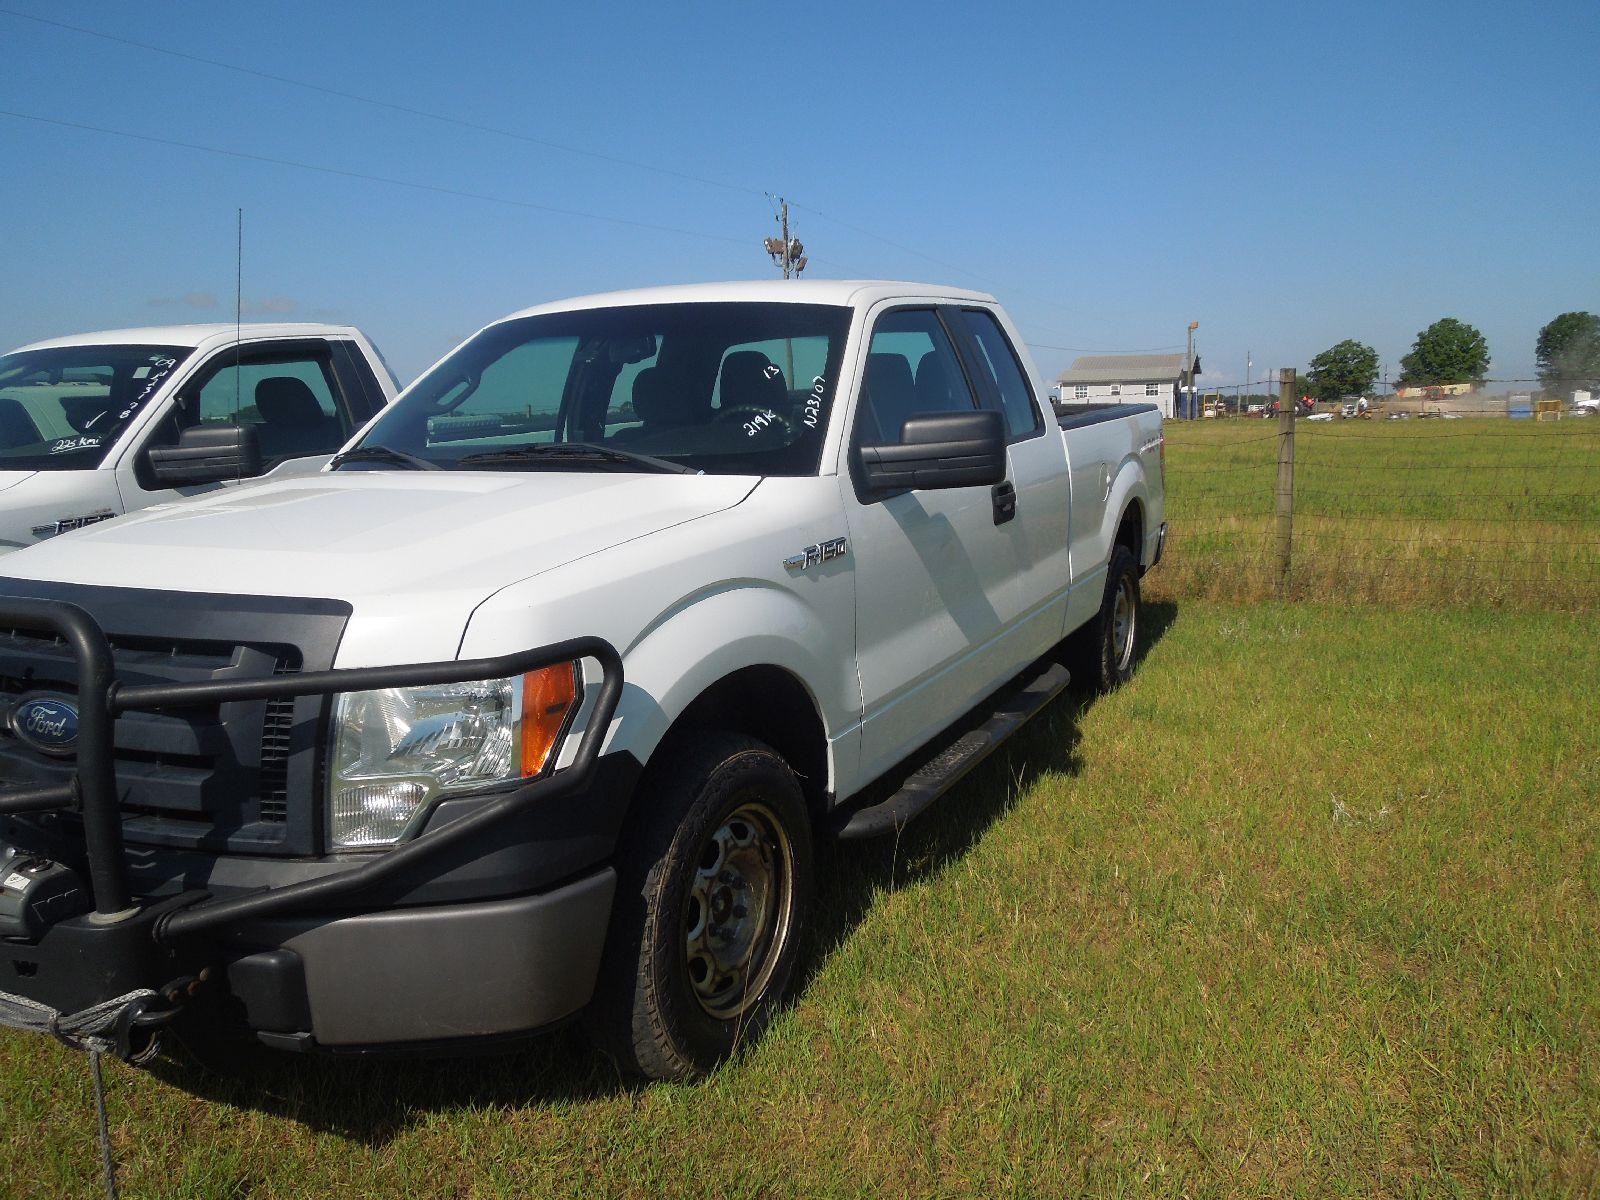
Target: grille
[{"x": 183, "y": 774}]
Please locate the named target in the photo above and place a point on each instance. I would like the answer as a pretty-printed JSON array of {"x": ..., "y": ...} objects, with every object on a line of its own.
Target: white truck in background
[
  {"x": 537, "y": 700},
  {"x": 99, "y": 424}
]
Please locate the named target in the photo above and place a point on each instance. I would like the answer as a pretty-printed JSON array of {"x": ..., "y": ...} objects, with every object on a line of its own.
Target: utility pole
[
  {"x": 1188, "y": 373},
  {"x": 1244, "y": 395},
  {"x": 787, "y": 252}
]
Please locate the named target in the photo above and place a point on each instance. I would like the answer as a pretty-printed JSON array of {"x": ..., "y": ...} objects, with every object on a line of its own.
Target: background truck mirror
[
  {"x": 940, "y": 450},
  {"x": 208, "y": 454}
]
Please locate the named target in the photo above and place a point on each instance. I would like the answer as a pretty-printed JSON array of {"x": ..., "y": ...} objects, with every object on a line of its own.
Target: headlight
[{"x": 396, "y": 749}]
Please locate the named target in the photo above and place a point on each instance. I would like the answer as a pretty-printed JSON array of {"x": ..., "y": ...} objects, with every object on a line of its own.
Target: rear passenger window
[
  {"x": 911, "y": 369},
  {"x": 999, "y": 361}
]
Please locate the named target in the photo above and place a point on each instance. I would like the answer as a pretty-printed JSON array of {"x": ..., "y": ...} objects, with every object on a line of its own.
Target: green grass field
[
  {"x": 1478, "y": 510},
  {"x": 1312, "y": 907}
]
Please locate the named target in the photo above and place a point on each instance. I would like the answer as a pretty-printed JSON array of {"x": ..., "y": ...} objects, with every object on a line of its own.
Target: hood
[
  {"x": 10, "y": 479},
  {"x": 377, "y": 538}
]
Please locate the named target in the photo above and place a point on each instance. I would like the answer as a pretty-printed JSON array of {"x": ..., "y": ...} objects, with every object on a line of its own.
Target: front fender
[
  {"x": 690, "y": 606},
  {"x": 736, "y": 624}
]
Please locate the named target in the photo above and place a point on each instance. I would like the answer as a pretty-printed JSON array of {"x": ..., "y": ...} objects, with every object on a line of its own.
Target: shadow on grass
[{"x": 374, "y": 1099}]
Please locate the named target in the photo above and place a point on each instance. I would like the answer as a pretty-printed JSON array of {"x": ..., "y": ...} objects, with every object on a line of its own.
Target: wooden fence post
[{"x": 1286, "y": 405}]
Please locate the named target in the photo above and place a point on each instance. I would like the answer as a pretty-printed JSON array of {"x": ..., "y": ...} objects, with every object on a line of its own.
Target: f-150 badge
[
  {"x": 67, "y": 524},
  {"x": 821, "y": 552}
]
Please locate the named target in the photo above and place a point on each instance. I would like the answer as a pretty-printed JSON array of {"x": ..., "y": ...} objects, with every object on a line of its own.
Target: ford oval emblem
[{"x": 46, "y": 723}]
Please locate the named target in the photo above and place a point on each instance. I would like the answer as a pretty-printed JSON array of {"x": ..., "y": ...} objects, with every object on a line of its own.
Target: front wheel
[
  {"x": 1101, "y": 654},
  {"x": 714, "y": 883}
]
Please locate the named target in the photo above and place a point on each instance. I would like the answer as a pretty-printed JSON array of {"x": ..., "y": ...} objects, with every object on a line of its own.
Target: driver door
[
  {"x": 289, "y": 393},
  {"x": 935, "y": 586}
]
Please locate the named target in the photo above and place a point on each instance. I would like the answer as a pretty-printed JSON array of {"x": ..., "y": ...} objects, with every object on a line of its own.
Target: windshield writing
[
  {"x": 63, "y": 408},
  {"x": 725, "y": 388}
]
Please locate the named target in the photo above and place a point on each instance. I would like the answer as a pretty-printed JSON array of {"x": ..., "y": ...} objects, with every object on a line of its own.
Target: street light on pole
[{"x": 1188, "y": 373}]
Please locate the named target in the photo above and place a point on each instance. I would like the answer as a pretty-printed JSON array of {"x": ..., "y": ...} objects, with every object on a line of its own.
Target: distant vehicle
[
  {"x": 1399, "y": 416},
  {"x": 1585, "y": 404},
  {"x": 1255, "y": 410},
  {"x": 1302, "y": 408},
  {"x": 1450, "y": 416},
  {"x": 1322, "y": 416},
  {"x": 1348, "y": 410},
  {"x": 99, "y": 424}
]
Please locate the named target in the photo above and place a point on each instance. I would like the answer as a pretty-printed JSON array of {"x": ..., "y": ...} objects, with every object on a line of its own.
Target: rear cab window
[{"x": 999, "y": 369}]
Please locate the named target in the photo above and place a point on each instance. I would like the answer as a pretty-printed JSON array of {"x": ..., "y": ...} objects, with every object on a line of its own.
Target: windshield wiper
[
  {"x": 573, "y": 450},
  {"x": 388, "y": 454}
]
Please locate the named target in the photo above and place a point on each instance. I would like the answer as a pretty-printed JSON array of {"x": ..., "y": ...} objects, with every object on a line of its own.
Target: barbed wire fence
[{"x": 1484, "y": 509}]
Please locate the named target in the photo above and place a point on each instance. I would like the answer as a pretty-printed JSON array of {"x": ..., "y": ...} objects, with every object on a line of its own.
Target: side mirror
[
  {"x": 940, "y": 450},
  {"x": 208, "y": 454}
]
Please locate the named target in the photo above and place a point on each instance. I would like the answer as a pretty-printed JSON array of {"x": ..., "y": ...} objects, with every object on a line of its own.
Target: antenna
[
  {"x": 238, "y": 328},
  {"x": 238, "y": 309}
]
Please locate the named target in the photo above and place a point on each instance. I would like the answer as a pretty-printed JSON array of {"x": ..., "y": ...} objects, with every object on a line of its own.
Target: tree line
[{"x": 1451, "y": 351}]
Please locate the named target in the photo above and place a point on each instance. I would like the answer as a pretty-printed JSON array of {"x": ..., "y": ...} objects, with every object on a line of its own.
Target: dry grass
[{"x": 1421, "y": 512}]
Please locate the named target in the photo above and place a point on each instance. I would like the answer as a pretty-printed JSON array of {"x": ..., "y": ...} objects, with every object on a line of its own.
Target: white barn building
[{"x": 1125, "y": 379}]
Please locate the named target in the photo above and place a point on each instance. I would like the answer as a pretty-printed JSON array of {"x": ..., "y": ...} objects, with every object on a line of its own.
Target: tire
[
  {"x": 1101, "y": 655},
  {"x": 715, "y": 867}
]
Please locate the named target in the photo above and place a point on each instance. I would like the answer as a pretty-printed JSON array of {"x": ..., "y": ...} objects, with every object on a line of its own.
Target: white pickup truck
[
  {"x": 99, "y": 424},
  {"x": 538, "y": 700}
]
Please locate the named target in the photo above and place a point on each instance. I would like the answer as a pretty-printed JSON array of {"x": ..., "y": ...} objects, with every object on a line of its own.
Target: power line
[
  {"x": 390, "y": 180},
  {"x": 546, "y": 143},
  {"x": 1087, "y": 350},
  {"x": 409, "y": 110},
  {"x": 459, "y": 122}
]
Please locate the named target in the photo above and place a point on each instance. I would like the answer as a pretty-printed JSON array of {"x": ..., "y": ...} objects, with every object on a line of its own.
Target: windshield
[
  {"x": 61, "y": 409},
  {"x": 731, "y": 389}
]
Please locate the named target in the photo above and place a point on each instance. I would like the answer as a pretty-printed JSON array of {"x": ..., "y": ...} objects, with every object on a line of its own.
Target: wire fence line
[{"x": 1498, "y": 512}]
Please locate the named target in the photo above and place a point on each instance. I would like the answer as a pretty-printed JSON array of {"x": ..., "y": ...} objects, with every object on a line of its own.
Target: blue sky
[{"x": 1287, "y": 175}]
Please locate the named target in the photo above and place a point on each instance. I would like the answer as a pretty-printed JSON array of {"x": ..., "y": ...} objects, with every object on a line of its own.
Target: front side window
[
  {"x": 911, "y": 370},
  {"x": 725, "y": 388},
  {"x": 63, "y": 408},
  {"x": 998, "y": 360},
  {"x": 287, "y": 396}
]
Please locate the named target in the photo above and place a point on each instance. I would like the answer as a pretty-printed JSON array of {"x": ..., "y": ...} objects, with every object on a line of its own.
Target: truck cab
[{"x": 100, "y": 424}]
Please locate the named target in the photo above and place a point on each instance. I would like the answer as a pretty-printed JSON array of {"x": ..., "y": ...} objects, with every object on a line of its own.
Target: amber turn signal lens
[{"x": 548, "y": 696}]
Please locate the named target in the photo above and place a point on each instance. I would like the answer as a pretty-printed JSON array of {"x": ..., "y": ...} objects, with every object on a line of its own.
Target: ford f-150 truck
[
  {"x": 99, "y": 424},
  {"x": 538, "y": 700}
]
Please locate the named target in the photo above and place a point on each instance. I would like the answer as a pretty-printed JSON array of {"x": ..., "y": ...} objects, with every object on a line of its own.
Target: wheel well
[
  {"x": 1130, "y": 531},
  {"x": 772, "y": 706}
]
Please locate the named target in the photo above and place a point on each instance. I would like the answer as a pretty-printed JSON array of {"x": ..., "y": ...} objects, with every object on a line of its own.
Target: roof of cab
[
  {"x": 850, "y": 292},
  {"x": 193, "y": 335}
]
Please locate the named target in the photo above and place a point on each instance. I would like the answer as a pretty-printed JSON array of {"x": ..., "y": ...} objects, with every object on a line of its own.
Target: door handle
[{"x": 1005, "y": 502}]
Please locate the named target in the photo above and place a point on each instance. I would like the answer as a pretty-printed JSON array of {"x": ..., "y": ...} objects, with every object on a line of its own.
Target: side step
[{"x": 940, "y": 773}]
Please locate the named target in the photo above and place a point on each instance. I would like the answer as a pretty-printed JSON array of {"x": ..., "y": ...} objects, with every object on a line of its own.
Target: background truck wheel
[
  {"x": 714, "y": 880},
  {"x": 1101, "y": 654}
]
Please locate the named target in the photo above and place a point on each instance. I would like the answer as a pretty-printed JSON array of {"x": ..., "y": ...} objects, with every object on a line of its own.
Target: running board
[{"x": 946, "y": 768}]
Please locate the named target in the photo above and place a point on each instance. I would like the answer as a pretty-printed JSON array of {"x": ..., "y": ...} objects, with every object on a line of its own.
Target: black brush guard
[{"x": 126, "y": 939}]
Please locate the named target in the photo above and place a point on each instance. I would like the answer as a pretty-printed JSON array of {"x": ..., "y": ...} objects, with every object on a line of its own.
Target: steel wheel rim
[
  {"x": 1124, "y": 620},
  {"x": 739, "y": 911}
]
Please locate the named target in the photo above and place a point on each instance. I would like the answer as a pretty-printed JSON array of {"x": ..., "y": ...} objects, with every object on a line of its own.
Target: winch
[{"x": 35, "y": 893}]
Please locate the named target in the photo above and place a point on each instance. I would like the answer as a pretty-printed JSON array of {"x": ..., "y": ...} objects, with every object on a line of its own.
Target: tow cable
[{"x": 126, "y": 1026}]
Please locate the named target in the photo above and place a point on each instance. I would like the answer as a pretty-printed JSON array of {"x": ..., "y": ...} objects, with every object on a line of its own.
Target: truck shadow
[{"x": 372, "y": 1100}]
